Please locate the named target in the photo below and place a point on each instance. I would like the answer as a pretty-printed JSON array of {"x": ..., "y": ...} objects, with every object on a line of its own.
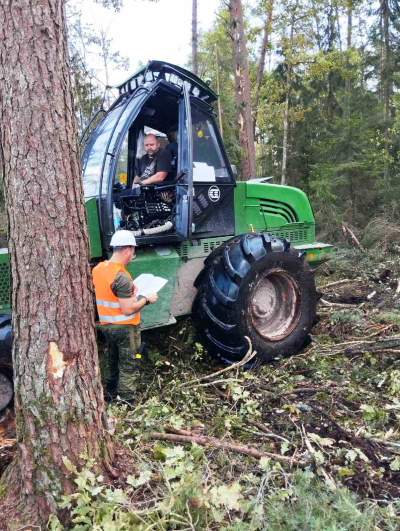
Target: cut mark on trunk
[{"x": 57, "y": 361}]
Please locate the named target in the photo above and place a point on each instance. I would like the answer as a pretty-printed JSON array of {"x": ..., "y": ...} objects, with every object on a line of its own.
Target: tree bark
[
  {"x": 58, "y": 394},
  {"x": 242, "y": 91},
  {"x": 331, "y": 39},
  {"x": 218, "y": 92},
  {"x": 194, "y": 37},
  {"x": 260, "y": 71},
  {"x": 386, "y": 77},
  {"x": 347, "y": 108},
  {"x": 287, "y": 99},
  {"x": 349, "y": 38}
]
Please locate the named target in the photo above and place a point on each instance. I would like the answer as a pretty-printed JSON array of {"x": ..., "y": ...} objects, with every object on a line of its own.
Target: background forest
[{"x": 324, "y": 78}]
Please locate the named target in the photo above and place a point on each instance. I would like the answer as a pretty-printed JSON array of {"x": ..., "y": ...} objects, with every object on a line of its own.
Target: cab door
[{"x": 184, "y": 186}]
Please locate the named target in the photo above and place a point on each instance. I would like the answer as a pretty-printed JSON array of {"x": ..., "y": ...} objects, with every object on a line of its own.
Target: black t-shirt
[{"x": 149, "y": 166}]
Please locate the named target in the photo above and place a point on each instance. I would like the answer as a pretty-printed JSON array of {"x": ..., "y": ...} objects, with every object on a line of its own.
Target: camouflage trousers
[{"x": 123, "y": 368}]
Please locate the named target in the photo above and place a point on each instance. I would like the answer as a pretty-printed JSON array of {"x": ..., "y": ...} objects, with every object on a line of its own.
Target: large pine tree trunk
[
  {"x": 58, "y": 392},
  {"x": 242, "y": 91}
]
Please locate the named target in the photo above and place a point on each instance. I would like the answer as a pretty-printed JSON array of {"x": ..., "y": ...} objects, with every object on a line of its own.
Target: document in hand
[{"x": 148, "y": 283}]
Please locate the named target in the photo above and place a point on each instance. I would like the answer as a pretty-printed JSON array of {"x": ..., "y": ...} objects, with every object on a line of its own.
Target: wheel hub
[{"x": 275, "y": 305}]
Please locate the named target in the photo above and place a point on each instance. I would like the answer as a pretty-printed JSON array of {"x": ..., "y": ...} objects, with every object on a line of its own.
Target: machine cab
[{"x": 195, "y": 199}]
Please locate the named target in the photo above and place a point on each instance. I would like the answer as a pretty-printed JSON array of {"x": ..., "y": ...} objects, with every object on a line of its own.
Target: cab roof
[{"x": 155, "y": 70}]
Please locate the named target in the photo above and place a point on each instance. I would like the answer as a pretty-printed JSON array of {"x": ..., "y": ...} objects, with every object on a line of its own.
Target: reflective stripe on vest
[
  {"x": 119, "y": 319},
  {"x": 111, "y": 304},
  {"x": 108, "y": 306}
]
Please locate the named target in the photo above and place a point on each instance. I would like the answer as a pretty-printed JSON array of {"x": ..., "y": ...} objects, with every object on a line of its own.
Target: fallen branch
[
  {"x": 365, "y": 342},
  {"x": 265, "y": 434},
  {"x": 337, "y": 282},
  {"x": 346, "y": 228},
  {"x": 249, "y": 356},
  {"x": 374, "y": 351},
  {"x": 216, "y": 443},
  {"x": 380, "y": 331},
  {"x": 304, "y": 390},
  {"x": 329, "y": 479},
  {"x": 170, "y": 429},
  {"x": 376, "y": 347},
  {"x": 9, "y": 444},
  {"x": 258, "y": 425},
  {"x": 397, "y": 293},
  {"x": 215, "y": 382},
  {"x": 337, "y": 304},
  {"x": 386, "y": 443}
]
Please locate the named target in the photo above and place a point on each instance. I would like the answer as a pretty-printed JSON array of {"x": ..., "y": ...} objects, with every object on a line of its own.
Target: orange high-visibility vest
[{"x": 108, "y": 306}]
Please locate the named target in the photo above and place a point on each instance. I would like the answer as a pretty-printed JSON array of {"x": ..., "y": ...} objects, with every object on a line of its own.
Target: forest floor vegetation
[{"x": 327, "y": 419}]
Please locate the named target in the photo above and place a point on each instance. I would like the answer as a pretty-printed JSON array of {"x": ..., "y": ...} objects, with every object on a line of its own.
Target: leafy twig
[
  {"x": 216, "y": 443},
  {"x": 249, "y": 356}
]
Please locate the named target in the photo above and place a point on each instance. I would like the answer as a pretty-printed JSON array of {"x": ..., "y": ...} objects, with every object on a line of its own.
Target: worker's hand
[
  {"x": 134, "y": 185},
  {"x": 152, "y": 297}
]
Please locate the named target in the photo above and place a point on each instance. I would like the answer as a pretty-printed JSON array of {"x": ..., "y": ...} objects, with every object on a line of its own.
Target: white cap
[{"x": 122, "y": 238}]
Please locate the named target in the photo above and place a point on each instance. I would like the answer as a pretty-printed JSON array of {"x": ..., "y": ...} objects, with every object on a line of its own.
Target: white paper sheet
[
  {"x": 203, "y": 172},
  {"x": 148, "y": 283}
]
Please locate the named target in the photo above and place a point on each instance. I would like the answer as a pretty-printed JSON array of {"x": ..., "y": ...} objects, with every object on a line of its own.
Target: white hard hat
[{"x": 122, "y": 238}]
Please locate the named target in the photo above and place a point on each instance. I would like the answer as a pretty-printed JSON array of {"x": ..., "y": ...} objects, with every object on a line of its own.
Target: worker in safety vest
[{"x": 118, "y": 306}]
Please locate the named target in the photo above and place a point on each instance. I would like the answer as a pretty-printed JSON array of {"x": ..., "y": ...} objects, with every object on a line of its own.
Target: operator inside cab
[{"x": 155, "y": 165}]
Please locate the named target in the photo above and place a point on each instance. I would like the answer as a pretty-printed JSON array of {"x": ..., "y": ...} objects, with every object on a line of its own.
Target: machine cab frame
[{"x": 173, "y": 104}]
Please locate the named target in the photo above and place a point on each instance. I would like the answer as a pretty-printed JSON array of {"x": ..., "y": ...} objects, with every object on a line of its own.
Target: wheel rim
[{"x": 275, "y": 305}]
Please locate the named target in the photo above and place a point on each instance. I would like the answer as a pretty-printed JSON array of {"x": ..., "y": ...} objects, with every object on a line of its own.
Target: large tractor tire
[{"x": 255, "y": 285}]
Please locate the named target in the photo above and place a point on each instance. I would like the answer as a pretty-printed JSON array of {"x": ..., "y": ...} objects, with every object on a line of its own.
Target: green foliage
[
  {"x": 303, "y": 502},
  {"x": 184, "y": 486},
  {"x": 389, "y": 318},
  {"x": 382, "y": 233},
  {"x": 348, "y": 316}
]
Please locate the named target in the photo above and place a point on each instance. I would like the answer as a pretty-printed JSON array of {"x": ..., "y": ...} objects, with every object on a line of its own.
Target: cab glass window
[
  {"x": 208, "y": 161},
  {"x": 121, "y": 172},
  {"x": 96, "y": 150}
]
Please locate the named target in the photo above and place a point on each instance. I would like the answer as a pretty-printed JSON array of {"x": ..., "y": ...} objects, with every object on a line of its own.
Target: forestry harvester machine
[{"x": 237, "y": 255}]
